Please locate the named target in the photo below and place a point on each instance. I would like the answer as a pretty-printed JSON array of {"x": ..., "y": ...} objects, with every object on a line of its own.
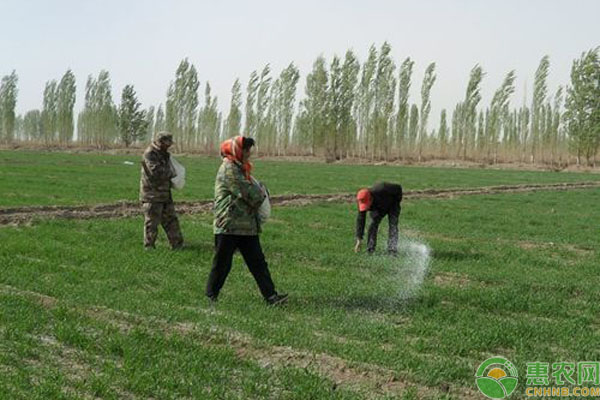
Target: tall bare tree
[
  {"x": 182, "y": 105},
  {"x": 468, "y": 110},
  {"x": 285, "y": 106},
  {"x": 582, "y": 107},
  {"x": 262, "y": 103},
  {"x": 443, "y": 133},
  {"x": 49, "y": 112},
  {"x": 65, "y": 101},
  {"x": 384, "y": 88},
  {"x": 539, "y": 98},
  {"x": 366, "y": 96},
  {"x": 428, "y": 81},
  {"x": 251, "y": 89},
  {"x": 314, "y": 106},
  {"x": 208, "y": 122},
  {"x": 234, "y": 119},
  {"x": 403, "y": 110},
  {"x": 498, "y": 113}
]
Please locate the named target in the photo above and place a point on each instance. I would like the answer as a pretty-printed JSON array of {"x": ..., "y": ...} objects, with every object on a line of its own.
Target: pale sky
[{"x": 142, "y": 42}]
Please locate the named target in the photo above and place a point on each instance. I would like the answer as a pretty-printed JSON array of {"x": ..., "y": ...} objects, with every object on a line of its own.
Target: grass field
[
  {"x": 36, "y": 178},
  {"x": 85, "y": 312}
]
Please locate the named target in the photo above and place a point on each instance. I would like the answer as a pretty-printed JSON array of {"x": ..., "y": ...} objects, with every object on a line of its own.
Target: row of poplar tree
[{"x": 348, "y": 110}]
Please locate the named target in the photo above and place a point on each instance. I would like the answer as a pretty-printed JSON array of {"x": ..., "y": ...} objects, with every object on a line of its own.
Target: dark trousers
[
  {"x": 393, "y": 215},
  {"x": 249, "y": 246},
  {"x": 161, "y": 214}
]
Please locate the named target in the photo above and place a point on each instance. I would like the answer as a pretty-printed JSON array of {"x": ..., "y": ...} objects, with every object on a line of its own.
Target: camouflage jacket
[
  {"x": 236, "y": 202},
  {"x": 155, "y": 183}
]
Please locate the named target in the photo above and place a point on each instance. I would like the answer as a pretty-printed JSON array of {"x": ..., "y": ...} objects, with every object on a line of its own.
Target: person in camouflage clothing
[
  {"x": 155, "y": 193},
  {"x": 236, "y": 227}
]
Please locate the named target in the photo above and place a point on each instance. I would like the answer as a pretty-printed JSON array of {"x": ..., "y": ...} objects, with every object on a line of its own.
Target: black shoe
[
  {"x": 212, "y": 299},
  {"x": 277, "y": 299},
  {"x": 149, "y": 248}
]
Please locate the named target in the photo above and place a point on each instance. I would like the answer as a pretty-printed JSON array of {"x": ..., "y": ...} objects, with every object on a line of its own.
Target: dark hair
[{"x": 247, "y": 142}]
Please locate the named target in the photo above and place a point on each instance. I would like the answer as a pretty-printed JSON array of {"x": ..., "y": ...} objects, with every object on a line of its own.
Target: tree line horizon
[{"x": 349, "y": 110}]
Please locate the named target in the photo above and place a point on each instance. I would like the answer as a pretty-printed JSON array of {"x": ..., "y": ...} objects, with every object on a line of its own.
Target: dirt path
[{"x": 21, "y": 215}]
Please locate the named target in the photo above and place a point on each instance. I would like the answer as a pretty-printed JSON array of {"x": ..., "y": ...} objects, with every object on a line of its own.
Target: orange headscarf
[{"x": 232, "y": 150}]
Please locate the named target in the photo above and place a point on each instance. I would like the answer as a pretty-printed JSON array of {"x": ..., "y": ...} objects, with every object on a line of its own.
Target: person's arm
[
  {"x": 156, "y": 170},
  {"x": 360, "y": 229},
  {"x": 248, "y": 191},
  {"x": 398, "y": 189},
  {"x": 360, "y": 224}
]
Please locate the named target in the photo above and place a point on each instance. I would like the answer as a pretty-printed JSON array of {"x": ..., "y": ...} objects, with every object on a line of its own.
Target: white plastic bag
[
  {"x": 178, "y": 180},
  {"x": 264, "y": 211}
]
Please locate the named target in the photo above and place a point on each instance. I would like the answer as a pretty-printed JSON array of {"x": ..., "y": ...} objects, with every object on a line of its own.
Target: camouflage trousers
[{"x": 163, "y": 214}]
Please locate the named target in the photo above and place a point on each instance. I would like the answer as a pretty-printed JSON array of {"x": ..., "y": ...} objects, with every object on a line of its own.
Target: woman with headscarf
[{"x": 236, "y": 225}]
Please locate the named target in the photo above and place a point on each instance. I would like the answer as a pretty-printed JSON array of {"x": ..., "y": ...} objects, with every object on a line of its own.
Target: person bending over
[{"x": 382, "y": 199}]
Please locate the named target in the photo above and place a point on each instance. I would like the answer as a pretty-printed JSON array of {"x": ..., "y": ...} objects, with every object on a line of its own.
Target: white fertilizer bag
[
  {"x": 264, "y": 211},
  {"x": 178, "y": 180}
]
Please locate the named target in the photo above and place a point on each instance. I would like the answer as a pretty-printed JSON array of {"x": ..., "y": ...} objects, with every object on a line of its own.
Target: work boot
[{"x": 277, "y": 299}]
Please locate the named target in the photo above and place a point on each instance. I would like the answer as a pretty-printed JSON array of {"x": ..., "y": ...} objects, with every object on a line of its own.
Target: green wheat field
[{"x": 86, "y": 313}]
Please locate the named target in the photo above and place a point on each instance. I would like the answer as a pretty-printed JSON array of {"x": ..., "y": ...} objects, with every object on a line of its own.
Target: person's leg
[
  {"x": 152, "y": 217},
  {"x": 225, "y": 246},
  {"x": 393, "y": 217},
  {"x": 255, "y": 260},
  {"x": 376, "y": 218},
  {"x": 170, "y": 224}
]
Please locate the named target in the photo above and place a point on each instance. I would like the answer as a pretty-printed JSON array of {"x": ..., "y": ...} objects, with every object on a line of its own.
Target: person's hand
[
  {"x": 357, "y": 245},
  {"x": 263, "y": 188}
]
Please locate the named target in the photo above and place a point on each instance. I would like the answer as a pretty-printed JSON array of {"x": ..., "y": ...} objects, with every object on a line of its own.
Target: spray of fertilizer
[
  {"x": 405, "y": 273},
  {"x": 413, "y": 258}
]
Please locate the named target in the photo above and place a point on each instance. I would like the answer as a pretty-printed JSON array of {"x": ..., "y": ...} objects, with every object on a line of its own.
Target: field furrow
[{"x": 19, "y": 215}]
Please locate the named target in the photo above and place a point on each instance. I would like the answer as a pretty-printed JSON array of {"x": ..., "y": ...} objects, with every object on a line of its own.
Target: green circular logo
[{"x": 496, "y": 378}]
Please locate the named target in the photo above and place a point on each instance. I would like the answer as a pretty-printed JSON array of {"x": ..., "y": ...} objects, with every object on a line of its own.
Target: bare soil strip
[{"x": 22, "y": 215}]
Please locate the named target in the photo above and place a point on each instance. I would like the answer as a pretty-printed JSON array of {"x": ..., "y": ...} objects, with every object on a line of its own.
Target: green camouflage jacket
[
  {"x": 155, "y": 183},
  {"x": 236, "y": 202}
]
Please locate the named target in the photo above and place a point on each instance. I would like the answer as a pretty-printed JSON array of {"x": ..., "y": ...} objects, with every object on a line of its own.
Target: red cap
[{"x": 364, "y": 199}]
